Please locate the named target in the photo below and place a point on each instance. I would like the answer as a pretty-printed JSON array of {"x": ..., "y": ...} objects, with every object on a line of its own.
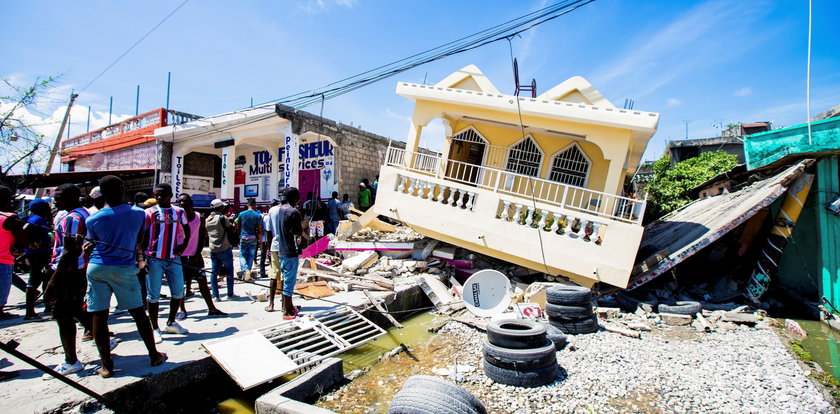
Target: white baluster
[
  {"x": 440, "y": 196},
  {"x": 412, "y": 182},
  {"x": 418, "y": 186},
  {"x": 505, "y": 207},
  {"x": 401, "y": 188},
  {"x": 428, "y": 190},
  {"x": 516, "y": 213},
  {"x": 555, "y": 225},
  {"x": 543, "y": 217},
  {"x": 470, "y": 201},
  {"x": 582, "y": 231},
  {"x": 461, "y": 197},
  {"x": 595, "y": 228},
  {"x": 451, "y": 199},
  {"x": 529, "y": 217}
]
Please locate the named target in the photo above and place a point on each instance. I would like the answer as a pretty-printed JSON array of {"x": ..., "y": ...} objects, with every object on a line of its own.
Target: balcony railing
[
  {"x": 156, "y": 118},
  {"x": 564, "y": 196}
]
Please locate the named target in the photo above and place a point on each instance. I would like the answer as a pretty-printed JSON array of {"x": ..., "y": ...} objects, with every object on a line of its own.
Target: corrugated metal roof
[{"x": 683, "y": 233}]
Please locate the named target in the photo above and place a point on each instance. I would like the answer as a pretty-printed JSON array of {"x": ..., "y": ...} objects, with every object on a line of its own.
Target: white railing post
[
  {"x": 427, "y": 191},
  {"x": 451, "y": 199},
  {"x": 505, "y": 208},
  {"x": 555, "y": 225},
  {"x": 400, "y": 183},
  {"x": 470, "y": 201},
  {"x": 529, "y": 217},
  {"x": 440, "y": 196},
  {"x": 565, "y": 193},
  {"x": 516, "y": 217},
  {"x": 543, "y": 218}
]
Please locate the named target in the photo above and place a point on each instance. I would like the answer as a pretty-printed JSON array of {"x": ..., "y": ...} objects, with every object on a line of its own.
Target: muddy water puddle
[
  {"x": 373, "y": 392},
  {"x": 823, "y": 343}
]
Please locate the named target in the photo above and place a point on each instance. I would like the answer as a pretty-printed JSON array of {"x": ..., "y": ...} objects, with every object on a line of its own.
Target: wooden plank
[
  {"x": 381, "y": 309},
  {"x": 379, "y": 281}
]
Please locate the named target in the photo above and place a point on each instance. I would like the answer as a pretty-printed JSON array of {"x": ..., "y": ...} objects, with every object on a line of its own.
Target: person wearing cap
[
  {"x": 250, "y": 237},
  {"x": 37, "y": 253},
  {"x": 96, "y": 200},
  {"x": 219, "y": 229},
  {"x": 364, "y": 197}
]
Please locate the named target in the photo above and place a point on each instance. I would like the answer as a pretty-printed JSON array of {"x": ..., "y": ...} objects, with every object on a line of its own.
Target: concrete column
[
  {"x": 178, "y": 154},
  {"x": 228, "y": 159},
  {"x": 412, "y": 141}
]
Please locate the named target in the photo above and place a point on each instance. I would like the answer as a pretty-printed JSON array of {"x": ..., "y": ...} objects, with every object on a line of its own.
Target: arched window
[
  {"x": 525, "y": 158},
  {"x": 570, "y": 166}
]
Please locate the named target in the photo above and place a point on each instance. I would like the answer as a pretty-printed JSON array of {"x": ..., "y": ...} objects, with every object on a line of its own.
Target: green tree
[
  {"x": 669, "y": 189},
  {"x": 20, "y": 141}
]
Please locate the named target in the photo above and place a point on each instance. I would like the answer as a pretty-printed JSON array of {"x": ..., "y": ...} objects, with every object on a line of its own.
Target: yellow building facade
[{"x": 534, "y": 181}]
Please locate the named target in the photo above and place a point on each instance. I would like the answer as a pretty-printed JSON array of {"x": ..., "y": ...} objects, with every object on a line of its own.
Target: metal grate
[
  {"x": 469, "y": 135},
  {"x": 570, "y": 166},
  {"x": 525, "y": 158},
  {"x": 305, "y": 341}
]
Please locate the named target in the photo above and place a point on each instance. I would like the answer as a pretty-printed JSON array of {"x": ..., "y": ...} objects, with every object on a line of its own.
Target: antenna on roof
[{"x": 520, "y": 88}]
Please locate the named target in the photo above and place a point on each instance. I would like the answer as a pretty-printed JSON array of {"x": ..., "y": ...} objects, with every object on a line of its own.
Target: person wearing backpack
[{"x": 219, "y": 232}]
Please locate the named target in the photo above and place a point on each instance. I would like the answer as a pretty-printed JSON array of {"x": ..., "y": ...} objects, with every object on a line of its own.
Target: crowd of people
[{"x": 84, "y": 250}]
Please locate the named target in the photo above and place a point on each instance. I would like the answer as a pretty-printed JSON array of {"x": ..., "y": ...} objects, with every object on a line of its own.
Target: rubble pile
[
  {"x": 401, "y": 234},
  {"x": 669, "y": 370}
]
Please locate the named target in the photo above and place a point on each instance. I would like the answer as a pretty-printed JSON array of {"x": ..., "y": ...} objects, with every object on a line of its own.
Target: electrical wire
[
  {"x": 808, "y": 72},
  {"x": 533, "y": 198},
  {"x": 204, "y": 271},
  {"x": 476, "y": 40},
  {"x": 134, "y": 45}
]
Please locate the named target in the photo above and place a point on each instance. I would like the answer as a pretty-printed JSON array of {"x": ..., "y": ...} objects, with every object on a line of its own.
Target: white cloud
[
  {"x": 692, "y": 41},
  {"x": 745, "y": 91},
  {"x": 317, "y": 6},
  {"x": 672, "y": 102}
]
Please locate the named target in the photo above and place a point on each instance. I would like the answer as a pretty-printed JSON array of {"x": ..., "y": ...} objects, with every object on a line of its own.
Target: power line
[
  {"x": 134, "y": 45},
  {"x": 502, "y": 31}
]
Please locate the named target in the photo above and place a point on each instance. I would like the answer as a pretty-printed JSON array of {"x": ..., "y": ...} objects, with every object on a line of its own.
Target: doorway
[{"x": 309, "y": 180}]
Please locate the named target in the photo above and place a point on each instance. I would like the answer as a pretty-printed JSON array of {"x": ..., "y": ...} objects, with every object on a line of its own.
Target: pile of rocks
[{"x": 673, "y": 369}]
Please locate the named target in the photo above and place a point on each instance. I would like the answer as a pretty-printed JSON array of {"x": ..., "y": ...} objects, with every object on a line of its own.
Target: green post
[{"x": 828, "y": 185}]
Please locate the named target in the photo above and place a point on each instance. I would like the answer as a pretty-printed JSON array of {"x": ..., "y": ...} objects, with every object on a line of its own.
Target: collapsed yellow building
[{"x": 532, "y": 181}]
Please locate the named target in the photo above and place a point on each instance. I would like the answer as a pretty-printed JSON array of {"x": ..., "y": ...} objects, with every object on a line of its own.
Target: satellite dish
[{"x": 486, "y": 293}]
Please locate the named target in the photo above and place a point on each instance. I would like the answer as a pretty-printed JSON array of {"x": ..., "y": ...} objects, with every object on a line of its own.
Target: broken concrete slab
[
  {"x": 608, "y": 313},
  {"x": 361, "y": 260},
  {"x": 740, "y": 318},
  {"x": 278, "y": 404},
  {"x": 312, "y": 384},
  {"x": 447, "y": 253},
  {"x": 675, "y": 319}
]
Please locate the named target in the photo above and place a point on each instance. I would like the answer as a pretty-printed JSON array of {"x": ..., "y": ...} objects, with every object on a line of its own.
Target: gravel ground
[{"x": 673, "y": 371}]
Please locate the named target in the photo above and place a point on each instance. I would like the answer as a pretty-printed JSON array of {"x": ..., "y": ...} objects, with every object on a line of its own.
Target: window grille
[
  {"x": 570, "y": 167},
  {"x": 525, "y": 158}
]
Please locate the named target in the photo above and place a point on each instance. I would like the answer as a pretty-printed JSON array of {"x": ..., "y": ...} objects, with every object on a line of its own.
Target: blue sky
[{"x": 706, "y": 62}]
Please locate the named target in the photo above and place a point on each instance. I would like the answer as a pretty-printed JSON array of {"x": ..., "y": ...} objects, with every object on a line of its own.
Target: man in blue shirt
[
  {"x": 38, "y": 253},
  {"x": 116, "y": 231},
  {"x": 334, "y": 216},
  {"x": 250, "y": 236}
]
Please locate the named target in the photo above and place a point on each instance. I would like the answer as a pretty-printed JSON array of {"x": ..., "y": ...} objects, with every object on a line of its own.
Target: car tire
[
  {"x": 568, "y": 295},
  {"x": 417, "y": 400},
  {"x": 556, "y": 336},
  {"x": 521, "y": 359},
  {"x": 681, "y": 308},
  {"x": 568, "y": 312},
  {"x": 529, "y": 378},
  {"x": 581, "y": 326},
  {"x": 516, "y": 333},
  {"x": 427, "y": 382}
]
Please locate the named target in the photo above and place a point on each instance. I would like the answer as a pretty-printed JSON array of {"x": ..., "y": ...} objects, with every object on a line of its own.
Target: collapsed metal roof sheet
[{"x": 682, "y": 233}]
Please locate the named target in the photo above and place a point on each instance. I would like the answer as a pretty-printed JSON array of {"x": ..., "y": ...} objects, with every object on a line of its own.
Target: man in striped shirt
[
  {"x": 67, "y": 285},
  {"x": 163, "y": 248}
]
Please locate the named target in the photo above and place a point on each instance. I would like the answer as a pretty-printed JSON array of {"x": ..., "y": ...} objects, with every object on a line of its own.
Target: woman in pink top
[
  {"x": 191, "y": 259},
  {"x": 11, "y": 233}
]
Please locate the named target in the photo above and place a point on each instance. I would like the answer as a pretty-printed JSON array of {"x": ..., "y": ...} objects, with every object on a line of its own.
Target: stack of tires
[
  {"x": 423, "y": 394},
  {"x": 569, "y": 309},
  {"x": 517, "y": 352}
]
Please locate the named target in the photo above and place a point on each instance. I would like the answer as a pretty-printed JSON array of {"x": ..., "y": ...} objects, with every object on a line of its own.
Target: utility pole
[
  {"x": 39, "y": 192},
  {"x": 137, "y": 102},
  {"x": 110, "y": 109}
]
